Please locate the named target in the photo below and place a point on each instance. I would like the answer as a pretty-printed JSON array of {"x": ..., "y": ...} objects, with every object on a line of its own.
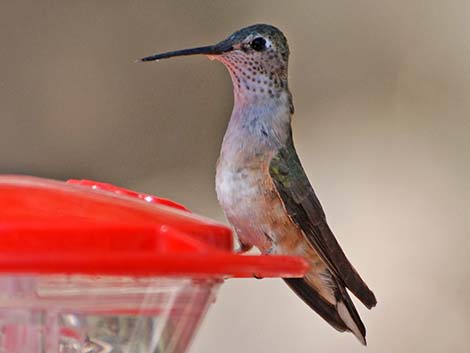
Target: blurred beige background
[{"x": 382, "y": 124}]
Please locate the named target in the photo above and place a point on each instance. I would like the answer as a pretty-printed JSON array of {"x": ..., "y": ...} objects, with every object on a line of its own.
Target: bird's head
[{"x": 256, "y": 57}]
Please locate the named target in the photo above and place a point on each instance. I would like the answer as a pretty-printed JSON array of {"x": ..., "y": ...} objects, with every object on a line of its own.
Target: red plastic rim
[{"x": 86, "y": 227}]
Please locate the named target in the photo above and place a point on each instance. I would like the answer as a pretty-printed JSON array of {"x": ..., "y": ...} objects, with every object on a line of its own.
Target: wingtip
[
  {"x": 372, "y": 301},
  {"x": 364, "y": 294}
]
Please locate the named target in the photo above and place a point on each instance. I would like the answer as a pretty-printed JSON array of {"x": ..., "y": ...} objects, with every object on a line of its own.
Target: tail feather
[
  {"x": 348, "y": 313},
  {"x": 326, "y": 310},
  {"x": 342, "y": 316}
]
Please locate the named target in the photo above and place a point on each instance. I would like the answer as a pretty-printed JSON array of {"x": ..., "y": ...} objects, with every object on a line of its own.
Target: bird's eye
[{"x": 258, "y": 44}]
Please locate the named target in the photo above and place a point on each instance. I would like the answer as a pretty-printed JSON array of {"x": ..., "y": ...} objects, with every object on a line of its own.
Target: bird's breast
[{"x": 248, "y": 197}]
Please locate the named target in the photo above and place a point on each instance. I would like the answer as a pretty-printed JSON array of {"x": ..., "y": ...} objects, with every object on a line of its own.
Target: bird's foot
[{"x": 244, "y": 248}]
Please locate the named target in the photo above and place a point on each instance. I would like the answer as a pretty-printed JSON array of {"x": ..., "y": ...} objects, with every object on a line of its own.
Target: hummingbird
[{"x": 261, "y": 184}]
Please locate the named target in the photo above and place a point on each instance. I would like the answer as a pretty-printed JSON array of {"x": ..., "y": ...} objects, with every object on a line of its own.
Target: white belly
[{"x": 243, "y": 195}]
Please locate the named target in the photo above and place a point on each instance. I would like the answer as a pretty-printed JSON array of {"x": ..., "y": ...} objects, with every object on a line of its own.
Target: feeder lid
[{"x": 86, "y": 227}]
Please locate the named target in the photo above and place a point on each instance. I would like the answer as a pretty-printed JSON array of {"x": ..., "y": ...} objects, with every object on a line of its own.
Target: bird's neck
[
  {"x": 259, "y": 123},
  {"x": 262, "y": 102}
]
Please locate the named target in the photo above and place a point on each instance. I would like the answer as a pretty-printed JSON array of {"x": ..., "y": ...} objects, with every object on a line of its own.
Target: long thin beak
[{"x": 217, "y": 49}]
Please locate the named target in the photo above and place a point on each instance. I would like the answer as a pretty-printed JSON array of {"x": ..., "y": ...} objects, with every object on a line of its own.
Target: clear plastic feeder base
[{"x": 89, "y": 314}]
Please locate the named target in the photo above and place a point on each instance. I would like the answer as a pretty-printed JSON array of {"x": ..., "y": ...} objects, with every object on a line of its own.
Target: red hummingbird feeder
[{"x": 87, "y": 267}]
